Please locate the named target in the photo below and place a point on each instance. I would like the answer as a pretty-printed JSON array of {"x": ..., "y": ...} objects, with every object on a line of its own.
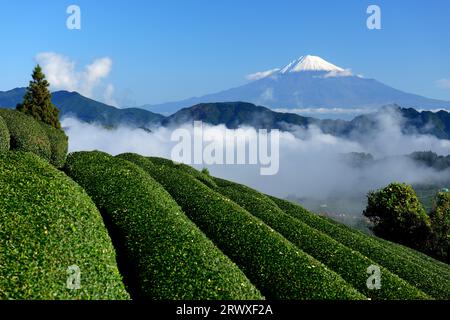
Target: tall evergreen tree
[{"x": 37, "y": 101}]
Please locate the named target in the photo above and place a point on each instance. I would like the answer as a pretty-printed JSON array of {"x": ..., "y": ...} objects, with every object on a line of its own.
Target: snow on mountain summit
[
  {"x": 310, "y": 63},
  {"x": 302, "y": 64},
  {"x": 309, "y": 85}
]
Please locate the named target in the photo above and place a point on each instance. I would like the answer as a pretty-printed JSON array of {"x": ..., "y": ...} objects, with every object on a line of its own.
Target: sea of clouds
[{"x": 310, "y": 162}]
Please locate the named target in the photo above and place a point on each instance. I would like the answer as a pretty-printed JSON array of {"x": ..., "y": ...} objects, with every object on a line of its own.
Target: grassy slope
[
  {"x": 48, "y": 223},
  {"x": 426, "y": 262},
  {"x": 278, "y": 268},
  {"x": 350, "y": 264},
  {"x": 169, "y": 257},
  {"x": 281, "y": 261},
  {"x": 421, "y": 273},
  {"x": 420, "y": 270}
]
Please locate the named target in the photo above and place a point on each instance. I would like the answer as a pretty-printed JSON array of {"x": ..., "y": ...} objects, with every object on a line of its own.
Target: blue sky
[{"x": 164, "y": 50}]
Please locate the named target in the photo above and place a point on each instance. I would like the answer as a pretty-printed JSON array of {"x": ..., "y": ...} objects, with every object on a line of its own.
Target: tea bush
[
  {"x": 47, "y": 224},
  {"x": 420, "y": 273},
  {"x": 59, "y": 144},
  {"x": 350, "y": 264},
  {"x": 163, "y": 254},
  {"x": 278, "y": 268},
  {"x": 26, "y": 134},
  {"x": 4, "y": 136}
]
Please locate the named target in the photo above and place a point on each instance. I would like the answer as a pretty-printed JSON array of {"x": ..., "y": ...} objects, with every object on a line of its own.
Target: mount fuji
[{"x": 310, "y": 84}]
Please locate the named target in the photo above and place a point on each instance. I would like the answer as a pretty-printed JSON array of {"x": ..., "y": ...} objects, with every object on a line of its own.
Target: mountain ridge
[
  {"x": 88, "y": 110},
  {"x": 235, "y": 114}
]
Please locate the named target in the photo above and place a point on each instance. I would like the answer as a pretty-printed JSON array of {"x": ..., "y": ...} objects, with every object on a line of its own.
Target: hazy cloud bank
[{"x": 311, "y": 162}]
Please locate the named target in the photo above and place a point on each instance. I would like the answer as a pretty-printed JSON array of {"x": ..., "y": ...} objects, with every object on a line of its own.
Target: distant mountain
[
  {"x": 310, "y": 83},
  {"x": 85, "y": 109},
  {"x": 431, "y": 159},
  {"x": 427, "y": 159},
  {"x": 11, "y": 98},
  {"x": 412, "y": 121},
  {"x": 236, "y": 114},
  {"x": 88, "y": 110}
]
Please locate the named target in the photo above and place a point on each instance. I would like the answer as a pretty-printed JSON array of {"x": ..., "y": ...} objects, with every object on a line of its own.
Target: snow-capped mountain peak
[
  {"x": 310, "y": 63},
  {"x": 303, "y": 64},
  {"x": 311, "y": 83}
]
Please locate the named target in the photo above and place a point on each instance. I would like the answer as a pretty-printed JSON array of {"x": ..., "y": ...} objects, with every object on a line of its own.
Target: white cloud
[
  {"x": 62, "y": 73},
  {"x": 311, "y": 165},
  {"x": 310, "y": 161},
  {"x": 95, "y": 73},
  {"x": 443, "y": 83},
  {"x": 261, "y": 75},
  {"x": 88, "y": 137},
  {"x": 337, "y": 74},
  {"x": 60, "y": 70}
]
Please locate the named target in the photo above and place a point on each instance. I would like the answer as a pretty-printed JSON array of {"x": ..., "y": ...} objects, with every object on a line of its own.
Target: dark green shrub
[
  {"x": 4, "y": 136},
  {"x": 26, "y": 134},
  {"x": 398, "y": 216},
  {"x": 163, "y": 254},
  {"x": 202, "y": 176},
  {"x": 350, "y": 264},
  {"x": 427, "y": 276},
  {"x": 59, "y": 144},
  {"x": 440, "y": 220},
  {"x": 47, "y": 224},
  {"x": 277, "y": 267}
]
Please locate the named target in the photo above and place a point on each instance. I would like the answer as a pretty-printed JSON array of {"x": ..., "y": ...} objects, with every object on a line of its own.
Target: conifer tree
[{"x": 37, "y": 100}]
